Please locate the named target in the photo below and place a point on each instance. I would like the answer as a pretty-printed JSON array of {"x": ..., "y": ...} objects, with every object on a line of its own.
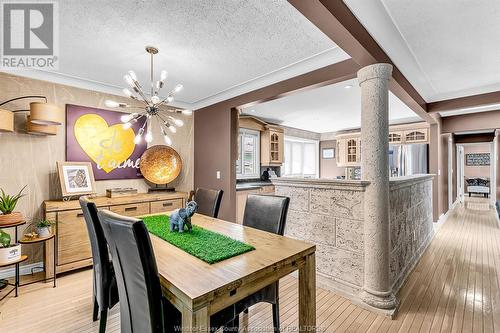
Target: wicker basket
[{"x": 14, "y": 217}]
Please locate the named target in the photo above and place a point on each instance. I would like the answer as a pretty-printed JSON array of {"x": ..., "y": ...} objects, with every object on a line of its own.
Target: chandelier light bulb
[
  {"x": 149, "y": 137},
  {"x": 127, "y": 126},
  {"x": 127, "y": 92},
  {"x": 126, "y": 118},
  {"x": 167, "y": 139},
  {"x": 187, "y": 112},
  {"x": 155, "y": 99},
  {"x": 129, "y": 80},
  {"x": 163, "y": 75},
  {"x": 172, "y": 128},
  {"x": 137, "y": 139},
  {"x": 132, "y": 75},
  {"x": 177, "y": 122},
  {"x": 111, "y": 104},
  {"x": 170, "y": 99},
  {"x": 178, "y": 88}
]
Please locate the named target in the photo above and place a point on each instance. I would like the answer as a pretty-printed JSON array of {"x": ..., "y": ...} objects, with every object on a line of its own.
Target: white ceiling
[
  {"x": 216, "y": 49},
  {"x": 446, "y": 48},
  {"x": 326, "y": 109}
]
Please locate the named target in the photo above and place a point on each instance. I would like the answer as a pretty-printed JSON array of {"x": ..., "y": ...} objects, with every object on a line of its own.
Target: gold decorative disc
[{"x": 160, "y": 164}]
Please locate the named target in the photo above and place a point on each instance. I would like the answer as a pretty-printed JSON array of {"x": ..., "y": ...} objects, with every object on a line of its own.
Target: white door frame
[
  {"x": 493, "y": 169},
  {"x": 451, "y": 199},
  {"x": 460, "y": 172}
]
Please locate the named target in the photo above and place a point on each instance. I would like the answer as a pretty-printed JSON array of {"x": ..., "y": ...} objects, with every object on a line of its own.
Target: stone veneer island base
[{"x": 329, "y": 213}]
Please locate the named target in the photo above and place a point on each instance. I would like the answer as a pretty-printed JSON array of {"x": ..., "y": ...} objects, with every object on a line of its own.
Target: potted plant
[
  {"x": 7, "y": 205},
  {"x": 8, "y": 252},
  {"x": 43, "y": 228}
]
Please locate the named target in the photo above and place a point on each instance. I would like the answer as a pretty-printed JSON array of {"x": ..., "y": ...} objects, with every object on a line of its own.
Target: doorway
[{"x": 476, "y": 171}]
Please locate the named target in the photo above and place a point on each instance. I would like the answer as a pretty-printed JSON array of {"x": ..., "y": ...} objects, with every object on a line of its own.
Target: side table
[
  {"x": 40, "y": 240},
  {"x": 4, "y": 283}
]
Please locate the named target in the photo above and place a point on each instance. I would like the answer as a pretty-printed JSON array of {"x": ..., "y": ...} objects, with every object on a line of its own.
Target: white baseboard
[
  {"x": 23, "y": 270},
  {"x": 444, "y": 217}
]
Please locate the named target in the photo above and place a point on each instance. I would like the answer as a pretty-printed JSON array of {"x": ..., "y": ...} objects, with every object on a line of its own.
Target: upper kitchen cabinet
[
  {"x": 415, "y": 136},
  {"x": 349, "y": 150},
  {"x": 271, "y": 146}
]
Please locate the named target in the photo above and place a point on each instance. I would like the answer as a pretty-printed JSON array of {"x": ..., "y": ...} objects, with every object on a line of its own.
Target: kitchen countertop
[{"x": 252, "y": 185}]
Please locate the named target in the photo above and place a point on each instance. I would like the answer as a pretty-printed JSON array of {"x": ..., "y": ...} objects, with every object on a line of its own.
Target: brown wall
[
  {"x": 328, "y": 167},
  {"x": 476, "y": 171},
  {"x": 214, "y": 140},
  {"x": 474, "y": 121},
  {"x": 31, "y": 160}
]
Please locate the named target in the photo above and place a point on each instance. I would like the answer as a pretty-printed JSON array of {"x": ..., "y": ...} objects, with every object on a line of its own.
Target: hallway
[{"x": 454, "y": 288}]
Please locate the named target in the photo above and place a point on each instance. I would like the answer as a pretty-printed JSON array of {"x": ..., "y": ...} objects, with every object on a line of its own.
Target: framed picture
[
  {"x": 76, "y": 178},
  {"x": 328, "y": 153},
  {"x": 97, "y": 136},
  {"x": 477, "y": 159}
]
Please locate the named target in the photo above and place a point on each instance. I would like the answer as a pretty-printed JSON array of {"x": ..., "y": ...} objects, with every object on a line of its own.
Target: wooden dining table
[{"x": 198, "y": 289}]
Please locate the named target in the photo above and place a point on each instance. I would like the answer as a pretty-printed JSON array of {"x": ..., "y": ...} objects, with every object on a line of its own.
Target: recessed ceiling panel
[{"x": 326, "y": 109}]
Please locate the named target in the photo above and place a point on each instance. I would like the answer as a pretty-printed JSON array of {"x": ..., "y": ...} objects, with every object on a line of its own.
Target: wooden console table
[{"x": 73, "y": 244}]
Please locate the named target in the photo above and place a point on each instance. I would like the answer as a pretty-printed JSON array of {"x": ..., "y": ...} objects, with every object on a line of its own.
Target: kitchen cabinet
[
  {"x": 349, "y": 151},
  {"x": 415, "y": 136},
  {"x": 349, "y": 144},
  {"x": 396, "y": 137},
  {"x": 272, "y": 146}
]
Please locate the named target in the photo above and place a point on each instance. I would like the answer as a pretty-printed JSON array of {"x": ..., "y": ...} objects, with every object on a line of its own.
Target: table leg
[
  {"x": 195, "y": 322},
  {"x": 307, "y": 295}
]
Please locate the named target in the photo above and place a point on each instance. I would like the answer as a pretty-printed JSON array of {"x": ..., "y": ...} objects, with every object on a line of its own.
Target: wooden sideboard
[{"x": 73, "y": 244}]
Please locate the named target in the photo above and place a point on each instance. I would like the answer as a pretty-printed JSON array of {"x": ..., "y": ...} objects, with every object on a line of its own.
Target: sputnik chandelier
[{"x": 151, "y": 105}]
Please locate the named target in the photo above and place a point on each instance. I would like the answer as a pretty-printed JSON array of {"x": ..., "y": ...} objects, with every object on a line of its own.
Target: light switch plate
[{"x": 218, "y": 175}]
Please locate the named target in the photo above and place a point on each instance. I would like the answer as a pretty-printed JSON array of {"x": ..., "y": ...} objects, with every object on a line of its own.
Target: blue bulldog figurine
[{"x": 182, "y": 217}]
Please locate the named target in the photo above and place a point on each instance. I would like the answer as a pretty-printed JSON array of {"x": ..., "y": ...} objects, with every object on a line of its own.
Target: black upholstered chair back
[
  {"x": 266, "y": 212},
  {"x": 136, "y": 273},
  {"x": 208, "y": 201},
  {"x": 100, "y": 254}
]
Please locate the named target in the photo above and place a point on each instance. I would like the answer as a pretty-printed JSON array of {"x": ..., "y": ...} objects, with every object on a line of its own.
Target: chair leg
[
  {"x": 276, "y": 316},
  {"x": 96, "y": 310},
  {"x": 102, "y": 323},
  {"x": 236, "y": 324}
]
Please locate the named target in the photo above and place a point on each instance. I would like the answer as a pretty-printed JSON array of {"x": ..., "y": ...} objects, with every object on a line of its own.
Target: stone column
[{"x": 374, "y": 81}]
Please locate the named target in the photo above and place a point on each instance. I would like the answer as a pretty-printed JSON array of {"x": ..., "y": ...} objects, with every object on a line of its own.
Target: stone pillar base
[{"x": 380, "y": 300}]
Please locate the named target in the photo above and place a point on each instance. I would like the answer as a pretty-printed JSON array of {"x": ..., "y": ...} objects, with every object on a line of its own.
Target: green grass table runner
[{"x": 204, "y": 244}]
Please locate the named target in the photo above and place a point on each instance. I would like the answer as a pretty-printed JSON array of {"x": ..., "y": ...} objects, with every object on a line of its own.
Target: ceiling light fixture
[
  {"x": 349, "y": 86},
  {"x": 151, "y": 104}
]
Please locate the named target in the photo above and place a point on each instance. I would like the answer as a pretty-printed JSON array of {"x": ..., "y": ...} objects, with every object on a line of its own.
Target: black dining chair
[
  {"x": 267, "y": 213},
  {"x": 105, "y": 289},
  {"x": 143, "y": 308},
  {"x": 208, "y": 201}
]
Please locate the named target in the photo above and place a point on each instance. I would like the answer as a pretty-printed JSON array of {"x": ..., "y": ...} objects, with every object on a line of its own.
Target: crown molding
[{"x": 77, "y": 82}]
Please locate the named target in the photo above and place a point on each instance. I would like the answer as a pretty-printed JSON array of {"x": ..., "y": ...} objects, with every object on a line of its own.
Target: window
[
  {"x": 248, "y": 163},
  {"x": 301, "y": 158}
]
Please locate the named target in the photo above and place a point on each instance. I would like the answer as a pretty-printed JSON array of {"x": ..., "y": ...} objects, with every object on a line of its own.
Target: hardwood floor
[{"x": 454, "y": 288}]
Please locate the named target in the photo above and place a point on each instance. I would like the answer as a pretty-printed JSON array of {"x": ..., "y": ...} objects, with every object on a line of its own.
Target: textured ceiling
[
  {"x": 211, "y": 47},
  {"x": 326, "y": 109},
  {"x": 446, "y": 48}
]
